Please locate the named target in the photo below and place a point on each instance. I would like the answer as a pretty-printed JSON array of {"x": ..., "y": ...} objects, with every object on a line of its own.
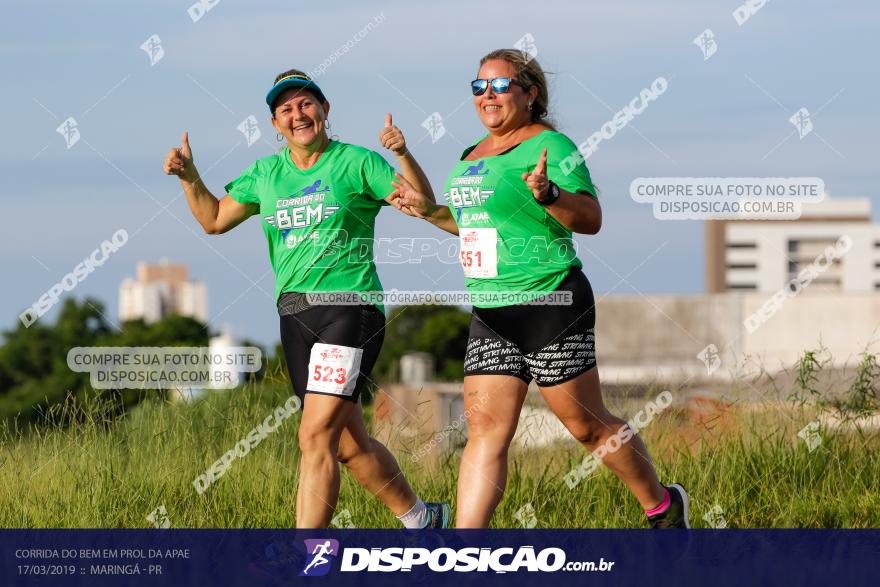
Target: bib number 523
[
  {"x": 329, "y": 374},
  {"x": 334, "y": 368}
]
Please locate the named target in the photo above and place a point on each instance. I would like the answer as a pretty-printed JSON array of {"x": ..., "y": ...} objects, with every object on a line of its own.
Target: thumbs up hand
[
  {"x": 391, "y": 138},
  {"x": 179, "y": 161}
]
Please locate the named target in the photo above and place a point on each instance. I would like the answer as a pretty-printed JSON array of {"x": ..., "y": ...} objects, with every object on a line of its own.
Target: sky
[{"x": 725, "y": 116}]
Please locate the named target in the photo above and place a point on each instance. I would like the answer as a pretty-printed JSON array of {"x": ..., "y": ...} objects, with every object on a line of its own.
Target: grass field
[{"x": 113, "y": 474}]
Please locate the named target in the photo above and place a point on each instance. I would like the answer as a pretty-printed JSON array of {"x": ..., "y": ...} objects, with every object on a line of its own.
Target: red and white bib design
[
  {"x": 334, "y": 368},
  {"x": 479, "y": 252}
]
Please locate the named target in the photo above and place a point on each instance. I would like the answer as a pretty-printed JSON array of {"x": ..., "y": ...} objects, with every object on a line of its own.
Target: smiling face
[
  {"x": 300, "y": 118},
  {"x": 503, "y": 112}
]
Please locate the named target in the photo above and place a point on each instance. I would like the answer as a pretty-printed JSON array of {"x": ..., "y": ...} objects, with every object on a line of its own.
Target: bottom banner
[{"x": 399, "y": 557}]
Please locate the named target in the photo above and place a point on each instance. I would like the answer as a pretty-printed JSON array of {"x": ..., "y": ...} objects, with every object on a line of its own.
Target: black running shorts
[
  {"x": 330, "y": 350},
  {"x": 551, "y": 344}
]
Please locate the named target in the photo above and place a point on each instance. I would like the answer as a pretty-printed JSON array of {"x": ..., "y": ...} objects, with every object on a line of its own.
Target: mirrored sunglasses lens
[
  {"x": 479, "y": 86},
  {"x": 501, "y": 85}
]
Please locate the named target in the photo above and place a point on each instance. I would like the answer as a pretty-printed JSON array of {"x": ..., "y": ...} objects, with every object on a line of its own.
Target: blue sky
[{"x": 722, "y": 117}]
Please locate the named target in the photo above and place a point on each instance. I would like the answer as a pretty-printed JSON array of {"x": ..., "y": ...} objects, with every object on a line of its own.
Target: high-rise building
[
  {"x": 160, "y": 290},
  {"x": 764, "y": 255}
]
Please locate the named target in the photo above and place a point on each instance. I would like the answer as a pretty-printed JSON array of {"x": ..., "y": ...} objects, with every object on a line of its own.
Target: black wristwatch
[{"x": 552, "y": 194}]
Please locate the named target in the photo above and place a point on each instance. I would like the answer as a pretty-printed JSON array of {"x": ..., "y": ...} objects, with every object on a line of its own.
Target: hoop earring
[
  {"x": 278, "y": 137},
  {"x": 327, "y": 123}
]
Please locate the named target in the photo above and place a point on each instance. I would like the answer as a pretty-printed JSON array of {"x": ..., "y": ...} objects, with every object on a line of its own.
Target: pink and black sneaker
[{"x": 673, "y": 512}]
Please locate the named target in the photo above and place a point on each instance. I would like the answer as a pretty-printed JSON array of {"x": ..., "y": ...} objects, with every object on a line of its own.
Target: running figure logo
[
  {"x": 318, "y": 563},
  {"x": 153, "y": 48},
  {"x": 70, "y": 131},
  {"x": 802, "y": 122},
  {"x": 711, "y": 358},
  {"x": 476, "y": 169},
  {"x": 313, "y": 189},
  {"x": 434, "y": 125},
  {"x": 706, "y": 43},
  {"x": 250, "y": 129},
  {"x": 527, "y": 47}
]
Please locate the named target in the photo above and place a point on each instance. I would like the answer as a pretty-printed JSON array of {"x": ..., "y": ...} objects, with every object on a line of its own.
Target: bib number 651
[{"x": 471, "y": 259}]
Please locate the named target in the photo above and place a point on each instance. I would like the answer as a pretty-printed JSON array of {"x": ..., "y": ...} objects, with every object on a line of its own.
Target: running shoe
[
  {"x": 677, "y": 515},
  {"x": 440, "y": 514}
]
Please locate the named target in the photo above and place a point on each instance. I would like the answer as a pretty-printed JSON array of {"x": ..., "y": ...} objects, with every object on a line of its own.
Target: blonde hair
[{"x": 529, "y": 73}]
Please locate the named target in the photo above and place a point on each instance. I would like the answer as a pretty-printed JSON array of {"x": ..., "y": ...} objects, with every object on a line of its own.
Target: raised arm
[
  {"x": 392, "y": 138},
  {"x": 577, "y": 212},
  {"x": 215, "y": 216}
]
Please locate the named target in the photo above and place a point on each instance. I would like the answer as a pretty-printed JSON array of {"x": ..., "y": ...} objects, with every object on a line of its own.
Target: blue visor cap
[{"x": 292, "y": 81}]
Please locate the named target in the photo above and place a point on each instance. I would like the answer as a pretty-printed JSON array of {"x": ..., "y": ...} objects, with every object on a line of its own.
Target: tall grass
[{"x": 98, "y": 472}]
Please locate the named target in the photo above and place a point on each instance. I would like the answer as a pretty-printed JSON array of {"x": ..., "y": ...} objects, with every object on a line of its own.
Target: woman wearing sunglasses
[
  {"x": 515, "y": 209},
  {"x": 317, "y": 200}
]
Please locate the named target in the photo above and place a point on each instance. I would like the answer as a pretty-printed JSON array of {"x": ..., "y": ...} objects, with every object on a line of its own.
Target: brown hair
[{"x": 529, "y": 72}]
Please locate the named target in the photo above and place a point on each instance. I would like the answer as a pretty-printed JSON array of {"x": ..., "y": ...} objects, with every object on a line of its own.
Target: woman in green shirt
[
  {"x": 317, "y": 200},
  {"x": 515, "y": 206}
]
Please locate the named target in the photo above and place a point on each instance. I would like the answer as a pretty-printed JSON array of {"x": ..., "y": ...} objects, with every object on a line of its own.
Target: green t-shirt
[
  {"x": 509, "y": 242},
  {"x": 319, "y": 222}
]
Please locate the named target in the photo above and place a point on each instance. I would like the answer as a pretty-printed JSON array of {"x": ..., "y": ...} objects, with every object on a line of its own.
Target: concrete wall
[
  {"x": 846, "y": 324},
  {"x": 643, "y": 338}
]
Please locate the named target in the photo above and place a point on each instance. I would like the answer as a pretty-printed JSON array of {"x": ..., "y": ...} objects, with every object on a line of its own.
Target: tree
[
  {"x": 38, "y": 387},
  {"x": 441, "y": 331}
]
